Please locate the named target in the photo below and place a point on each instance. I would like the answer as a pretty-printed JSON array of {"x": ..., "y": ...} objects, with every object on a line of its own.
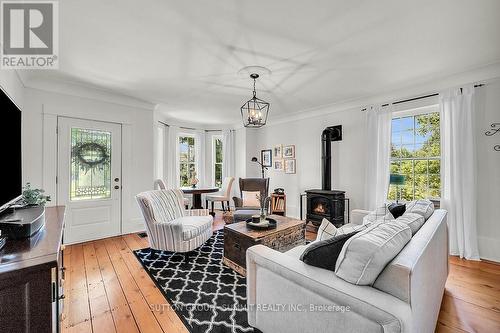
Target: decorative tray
[{"x": 258, "y": 226}]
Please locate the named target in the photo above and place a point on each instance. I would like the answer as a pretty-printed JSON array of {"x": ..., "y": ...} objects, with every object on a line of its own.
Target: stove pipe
[{"x": 332, "y": 133}]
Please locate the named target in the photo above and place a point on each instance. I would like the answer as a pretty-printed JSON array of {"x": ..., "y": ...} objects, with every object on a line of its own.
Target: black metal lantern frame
[{"x": 254, "y": 112}]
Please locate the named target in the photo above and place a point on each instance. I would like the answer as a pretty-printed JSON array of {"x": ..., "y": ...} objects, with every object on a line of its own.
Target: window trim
[
  {"x": 414, "y": 112},
  {"x": 178, "y": 155},
  {"x": 213, "y": 159}
]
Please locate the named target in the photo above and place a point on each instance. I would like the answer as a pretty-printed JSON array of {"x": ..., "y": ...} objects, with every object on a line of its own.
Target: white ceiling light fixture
[{"x": 254, "y": 112}]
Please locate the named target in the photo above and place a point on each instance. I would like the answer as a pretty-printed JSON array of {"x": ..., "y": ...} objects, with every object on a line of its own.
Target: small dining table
[{"x": 197, "y": 192}]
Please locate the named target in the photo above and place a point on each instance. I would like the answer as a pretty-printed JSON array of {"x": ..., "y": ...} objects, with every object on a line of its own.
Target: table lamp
[{"x": 398, "y": 181}]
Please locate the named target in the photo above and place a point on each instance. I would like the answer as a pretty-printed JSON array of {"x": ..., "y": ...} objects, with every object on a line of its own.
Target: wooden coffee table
[{"x": 238, "y": 238}]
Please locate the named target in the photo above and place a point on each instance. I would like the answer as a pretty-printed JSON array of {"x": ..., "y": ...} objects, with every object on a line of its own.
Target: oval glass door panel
[{"x": 90, "y": 168}]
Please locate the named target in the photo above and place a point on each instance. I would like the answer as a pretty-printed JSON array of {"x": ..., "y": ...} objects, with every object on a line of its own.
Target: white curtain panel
[
  {"x": 160, "y": 151},
  {"x": 458, "y": 170},
  {"x": 171, "y": 167},
  {"x": 378, "y": 130},
  {"x": 200, "y": 149},
  {"x": 228, "y": 153}
]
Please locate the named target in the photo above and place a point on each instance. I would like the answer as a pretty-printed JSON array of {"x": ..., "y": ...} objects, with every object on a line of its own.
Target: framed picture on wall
[
  {"x": 278, "y": 152},
  {"x": 278, "y": 165},
  {"x": 290, "y": 166},
  {"x": 289, "y": 151},
  {"x": 266, "y": 157}
]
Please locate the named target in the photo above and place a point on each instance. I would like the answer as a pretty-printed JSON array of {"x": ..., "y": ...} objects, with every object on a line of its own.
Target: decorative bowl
[{"x": 271, "y": 224}]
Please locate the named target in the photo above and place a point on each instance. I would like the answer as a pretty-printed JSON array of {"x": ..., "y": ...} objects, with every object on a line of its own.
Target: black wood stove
[{"x": 325, "y": 202}]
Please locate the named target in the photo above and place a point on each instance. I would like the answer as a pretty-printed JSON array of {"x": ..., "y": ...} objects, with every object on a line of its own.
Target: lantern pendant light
[{"x": 254, "y": 111}]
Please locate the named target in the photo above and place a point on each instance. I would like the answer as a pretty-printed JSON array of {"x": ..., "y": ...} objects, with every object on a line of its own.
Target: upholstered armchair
[
  {"x": 169, "y": 226},
  {"x": 249, "y": 185}
]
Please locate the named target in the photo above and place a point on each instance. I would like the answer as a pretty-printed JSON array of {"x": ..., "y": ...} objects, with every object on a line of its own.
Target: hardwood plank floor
[{"x": 107, "y": 290}]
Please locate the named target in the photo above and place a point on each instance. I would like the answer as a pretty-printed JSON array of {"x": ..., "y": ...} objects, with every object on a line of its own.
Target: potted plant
[{"x": 33, "y": 196}]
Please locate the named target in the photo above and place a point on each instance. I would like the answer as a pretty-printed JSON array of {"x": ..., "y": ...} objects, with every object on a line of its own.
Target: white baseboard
[{"x": 489, "y": 248}]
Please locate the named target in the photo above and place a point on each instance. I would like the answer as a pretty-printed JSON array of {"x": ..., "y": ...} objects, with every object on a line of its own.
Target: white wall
[
  {"x": 12, "y": 85},
  {"x": 41, "y": 109},
  {"x": 488, "y": 191},
  {"x": 348, "y": 160}
]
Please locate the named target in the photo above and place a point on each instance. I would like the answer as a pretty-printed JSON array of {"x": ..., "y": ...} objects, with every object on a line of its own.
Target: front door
[{"x": 89, "y": 178}]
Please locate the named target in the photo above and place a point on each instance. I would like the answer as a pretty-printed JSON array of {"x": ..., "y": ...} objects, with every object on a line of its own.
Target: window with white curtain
[
  {"x": 416, "y": 154},
  {"x": 217, "y": 160},
  {"x": 187, "y": 159}
]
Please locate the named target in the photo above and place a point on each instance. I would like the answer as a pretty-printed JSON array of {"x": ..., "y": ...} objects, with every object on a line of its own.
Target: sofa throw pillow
[
  {"x": 365, "y": 254},
  {"x": 413, "y": 220},
  {"x": 250, "y": 198},
  {"x": 381, "y": 214},
  {"x": 327, "y": 230},
  {"x": 324, "y": 253},
  {"x": 397, "y": 209},
  {"x": 423, "y": 207}
]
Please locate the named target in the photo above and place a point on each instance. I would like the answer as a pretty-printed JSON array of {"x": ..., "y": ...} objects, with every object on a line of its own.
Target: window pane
[
  {"x": 191, "y": 150},
  {"x": 434, "y": 193},
  {"x": 407, "y": 151},
  {"x": 416, "y": 139},
  {"x": 396, "y": 124},
  {"x": 90, "y": 164},
  {"x": 184, "y": 175},
  {"x": 435, "y": 166},
  {"x": 218, "y": 151},
  {"x": 406, "y": 123},
  {"x": 435, "y": 181},
  {"x": 420, "y": 186},
  {"x": 396, "y": 138},
  {"x": 407, "y": 137},
  {"x": 183, "y": 149},
  {"x": 218, "y": 175},
  {"x": 421, "y": 167},
  {"x": 395, "y": 166},
  {"x": 392, "y": 192},
  {"x": 396, "y": 151}
]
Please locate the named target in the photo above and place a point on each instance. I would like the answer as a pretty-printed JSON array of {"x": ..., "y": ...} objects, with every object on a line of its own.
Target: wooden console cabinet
[{"x": 32, "y": 279}]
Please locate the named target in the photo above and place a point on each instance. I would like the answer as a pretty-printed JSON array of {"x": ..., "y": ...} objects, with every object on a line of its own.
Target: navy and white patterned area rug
[{"x": 207, "y": 295}]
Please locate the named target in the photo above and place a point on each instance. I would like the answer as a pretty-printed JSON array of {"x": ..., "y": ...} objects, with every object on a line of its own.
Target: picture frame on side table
[
  {"x": 289, "y": 151},
  {"x": 290, "y": 166},
  {"x": 266, "y": 156},
  {"x": 278, "y": 152},
  {"x": 279, "y": 165}
]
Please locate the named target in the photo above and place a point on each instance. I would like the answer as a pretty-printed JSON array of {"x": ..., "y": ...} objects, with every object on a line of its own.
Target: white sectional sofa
[{"x": 287, "y": 295}]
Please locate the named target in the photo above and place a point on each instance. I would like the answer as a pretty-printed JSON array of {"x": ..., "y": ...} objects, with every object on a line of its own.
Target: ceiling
[{"x": 185, "y": 55}]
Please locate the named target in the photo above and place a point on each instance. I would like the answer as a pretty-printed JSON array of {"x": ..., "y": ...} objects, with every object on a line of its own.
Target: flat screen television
[{"x": 10, "y": 138}]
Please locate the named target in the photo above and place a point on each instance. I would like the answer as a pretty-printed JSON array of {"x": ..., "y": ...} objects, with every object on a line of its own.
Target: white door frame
[{"x": 119, "y": 158}]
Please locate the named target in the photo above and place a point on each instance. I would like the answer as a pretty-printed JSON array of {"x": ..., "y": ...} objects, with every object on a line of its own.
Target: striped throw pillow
[{"x": 327, "y": 230}]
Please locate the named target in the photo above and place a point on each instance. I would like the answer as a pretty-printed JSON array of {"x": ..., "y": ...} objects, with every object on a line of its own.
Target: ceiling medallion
[{"x": 254, "y": 111}]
